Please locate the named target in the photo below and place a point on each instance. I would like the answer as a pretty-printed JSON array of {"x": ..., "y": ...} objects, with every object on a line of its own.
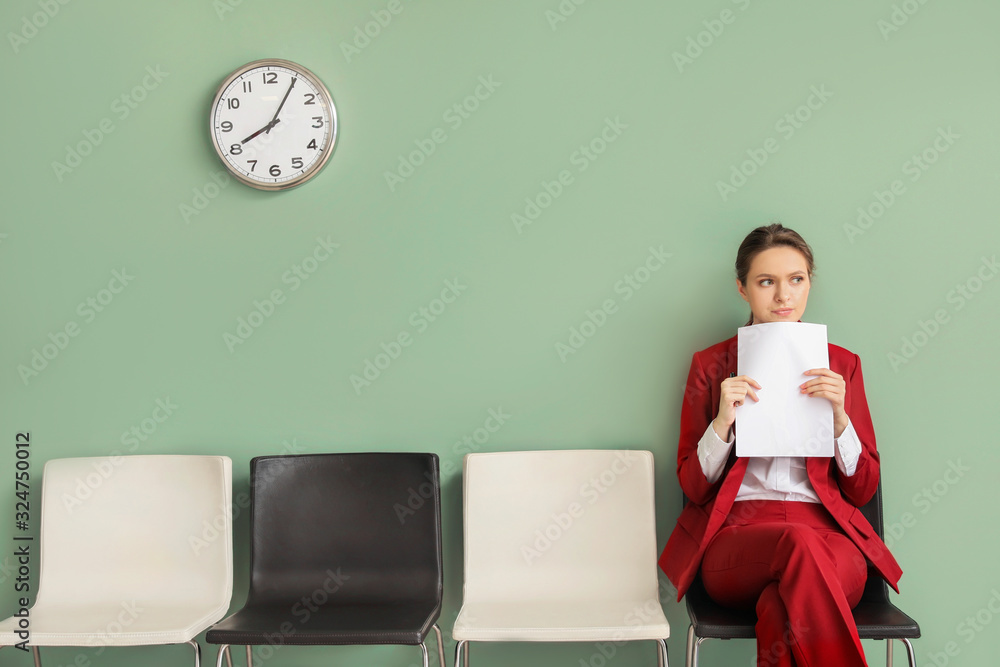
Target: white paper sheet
[{"x": 785, "y": 422}]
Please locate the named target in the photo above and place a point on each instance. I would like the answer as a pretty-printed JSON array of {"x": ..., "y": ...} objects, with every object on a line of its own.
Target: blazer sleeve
[
  {"x": 861, "y": 486},
  {"x": 696, "y": 413}
]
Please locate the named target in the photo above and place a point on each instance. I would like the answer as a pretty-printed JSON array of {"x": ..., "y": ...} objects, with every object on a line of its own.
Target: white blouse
[{"x": 775, "y": 477}]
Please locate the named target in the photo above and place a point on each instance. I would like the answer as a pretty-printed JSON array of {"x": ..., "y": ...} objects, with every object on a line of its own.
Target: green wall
[{"x": 895, "y": 81}]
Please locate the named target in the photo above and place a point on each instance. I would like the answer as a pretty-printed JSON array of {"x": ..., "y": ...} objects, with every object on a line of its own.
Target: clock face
[{"x": 273, "y": 124}]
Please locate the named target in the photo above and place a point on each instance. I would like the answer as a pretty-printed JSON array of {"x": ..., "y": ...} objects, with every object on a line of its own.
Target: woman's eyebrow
[{"x": 768, "y": 275}]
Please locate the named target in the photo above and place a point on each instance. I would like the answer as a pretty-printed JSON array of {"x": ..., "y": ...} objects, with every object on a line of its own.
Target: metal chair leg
[
  {"x": 223, "y": 650},
  {"x": 36, "y": 654},
  {"x": 661, "y": 653},
  {"x": 459, "y": 651},
  {"x": 694, "y": 654},
  {"x": 249, "y": 656},
  {"x": 197, "y": 652},
  {"x": 909, "y": 652},
  {"x": 888, "y": 652},
  {"x": 424, "y": 654},
  {"x": 689, "y": 649},
  {"x": 440, "y": 642},
  {"x": 229, "y": 657}
]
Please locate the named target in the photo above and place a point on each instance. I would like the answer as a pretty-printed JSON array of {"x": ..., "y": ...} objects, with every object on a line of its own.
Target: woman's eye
[{"x": 765, "y": 283}]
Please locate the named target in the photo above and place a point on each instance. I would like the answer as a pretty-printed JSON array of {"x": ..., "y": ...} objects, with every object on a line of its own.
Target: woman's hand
[
  {"x": 734, "y": 392},
  {"x": 831, "y": 386}
]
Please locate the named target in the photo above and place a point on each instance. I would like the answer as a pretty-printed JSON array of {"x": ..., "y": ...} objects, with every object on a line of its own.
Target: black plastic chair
[
  {"x": 875, "y": 616},
  {"x": 345, "y": 549}
]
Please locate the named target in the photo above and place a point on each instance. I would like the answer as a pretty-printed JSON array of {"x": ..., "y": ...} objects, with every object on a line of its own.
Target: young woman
[{"x": 782, "y": 535}]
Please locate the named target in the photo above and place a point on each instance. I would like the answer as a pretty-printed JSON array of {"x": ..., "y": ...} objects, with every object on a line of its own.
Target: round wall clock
[{"x": 273, "y": 124}]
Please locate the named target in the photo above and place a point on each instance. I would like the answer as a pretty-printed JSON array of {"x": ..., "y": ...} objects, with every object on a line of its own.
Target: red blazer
[{"x": 709, "y": 504}]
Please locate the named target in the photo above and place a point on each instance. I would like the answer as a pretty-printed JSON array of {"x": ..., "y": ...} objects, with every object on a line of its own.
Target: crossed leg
[{"x": 801, "y": 579}]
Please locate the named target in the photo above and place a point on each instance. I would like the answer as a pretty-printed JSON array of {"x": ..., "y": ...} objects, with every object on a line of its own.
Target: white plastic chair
[
  {"x": 560, "y": 546},
  {"x": 133, "y": 550}
]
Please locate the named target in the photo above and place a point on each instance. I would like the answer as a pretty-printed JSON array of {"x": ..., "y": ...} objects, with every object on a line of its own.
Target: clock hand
[
  {"x": 275, "y": 119},
  {"x": 266, "y": 128}
]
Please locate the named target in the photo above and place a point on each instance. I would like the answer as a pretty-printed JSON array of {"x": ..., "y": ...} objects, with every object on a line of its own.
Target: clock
[{"x": 273, "y": 124}]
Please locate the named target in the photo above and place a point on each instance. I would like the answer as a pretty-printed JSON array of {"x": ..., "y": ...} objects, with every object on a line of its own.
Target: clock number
[
  {"x": 310, "y": 98},
  {"x": 274, "y": 170},
  {"x": 236, "y": 149},
  {"x": 253, "y": 164},
  {"x": 233, "y": 103},
  {"x": 247, "y": 88},
  {"x": 270, "y": 77},
  {"x": 319, "y": 121},
  {"x": 227, "y": 126},
  {"x": 311, "y": 144},
  {"x": 296, "y": 163}
]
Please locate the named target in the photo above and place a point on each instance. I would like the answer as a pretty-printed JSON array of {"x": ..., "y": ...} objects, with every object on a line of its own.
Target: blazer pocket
[{"x": 859, "y": 521}]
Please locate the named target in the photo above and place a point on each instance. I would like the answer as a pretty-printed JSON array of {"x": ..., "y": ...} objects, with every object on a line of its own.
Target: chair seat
[
  {"x": 562, "y": 620},
  {"x": 875, "y": 619},
  {"x": 711, "y": 619},
  {"x": 294, "y": 623},
  {"x": 125, "y": 624},
  {"x": 883, "y": 619}
]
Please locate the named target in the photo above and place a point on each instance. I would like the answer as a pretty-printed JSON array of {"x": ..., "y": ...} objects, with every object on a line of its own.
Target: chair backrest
[
  {"x": 559, "y": 524},
  {"x": 876, "y": 590},
  {"x": 149, "y": 529},
  {"x": 361, "y": 527}
]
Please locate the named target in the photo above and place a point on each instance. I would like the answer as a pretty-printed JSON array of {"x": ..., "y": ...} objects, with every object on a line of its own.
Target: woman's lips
[{"x": 784, "y": 312}]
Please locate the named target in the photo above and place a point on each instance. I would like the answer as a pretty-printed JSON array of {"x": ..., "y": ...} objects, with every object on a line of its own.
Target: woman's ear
[{"x": 742, "y": 290}]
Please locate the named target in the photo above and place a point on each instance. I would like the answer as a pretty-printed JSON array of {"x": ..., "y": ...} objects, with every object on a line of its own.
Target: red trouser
[{"x": 793, "y": 563}]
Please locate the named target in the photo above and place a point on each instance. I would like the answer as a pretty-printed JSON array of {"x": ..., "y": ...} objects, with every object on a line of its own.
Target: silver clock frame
[{"x": 303, "y": 72}]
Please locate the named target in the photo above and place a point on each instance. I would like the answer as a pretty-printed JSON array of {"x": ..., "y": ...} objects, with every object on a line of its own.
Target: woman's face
[{"x": 777, "y": 285}]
